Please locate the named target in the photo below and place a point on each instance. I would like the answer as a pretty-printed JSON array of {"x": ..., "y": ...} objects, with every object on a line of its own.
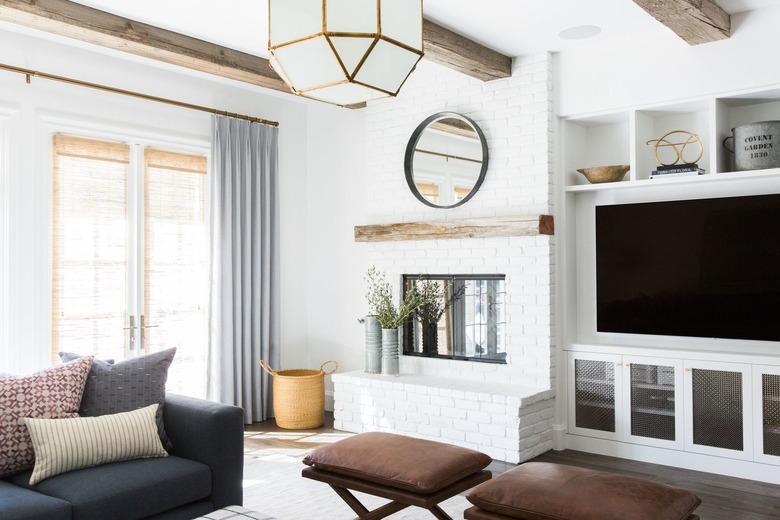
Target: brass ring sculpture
[{"x": 664, "y": 142}]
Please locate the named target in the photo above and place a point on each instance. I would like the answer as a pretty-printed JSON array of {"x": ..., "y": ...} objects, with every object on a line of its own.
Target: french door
[{"x": 129, "y": 254}]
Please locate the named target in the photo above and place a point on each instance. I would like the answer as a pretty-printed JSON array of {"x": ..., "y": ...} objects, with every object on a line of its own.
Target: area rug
[{"x": 274, "y": 486}]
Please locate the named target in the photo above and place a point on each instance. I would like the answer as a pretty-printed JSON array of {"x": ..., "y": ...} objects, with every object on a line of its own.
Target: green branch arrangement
[{"x": 380, "y": 301}]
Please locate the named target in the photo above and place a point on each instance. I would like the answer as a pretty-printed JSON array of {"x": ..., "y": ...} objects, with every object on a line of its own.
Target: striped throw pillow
[{"x": 63, "y": 445}]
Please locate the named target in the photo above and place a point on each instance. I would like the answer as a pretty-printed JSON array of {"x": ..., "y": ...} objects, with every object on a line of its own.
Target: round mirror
[{"x": 446, "y": 160}]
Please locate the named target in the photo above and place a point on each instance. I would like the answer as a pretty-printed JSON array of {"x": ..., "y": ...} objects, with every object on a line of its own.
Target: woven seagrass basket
[{"x": 299, "y": 396}]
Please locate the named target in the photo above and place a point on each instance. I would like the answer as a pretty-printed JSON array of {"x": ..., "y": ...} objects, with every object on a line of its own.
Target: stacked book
[{"x": 677, "y": 170}]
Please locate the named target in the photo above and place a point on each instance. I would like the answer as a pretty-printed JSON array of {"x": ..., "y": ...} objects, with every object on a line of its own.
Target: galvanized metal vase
[
  {"x": 390, "y": 361},
  {"x": 373, "y": 345}
]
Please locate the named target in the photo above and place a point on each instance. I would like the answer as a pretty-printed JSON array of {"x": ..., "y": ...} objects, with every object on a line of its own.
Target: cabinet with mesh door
[
  {"x": 627, "y": 398},
  {"x": 654, "y": 389},
  {"x": 718, "y": 409},
  {"x": 766, "y": 422},
  {"x": 595, "y": 395}
]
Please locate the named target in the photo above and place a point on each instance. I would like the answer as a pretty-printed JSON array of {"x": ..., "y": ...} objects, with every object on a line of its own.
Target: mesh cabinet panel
[
  {"x": 595, "y": 394},
  {"x": 652, "y": 401},
  {"x": 771, "y": 415},
  {"x": 717, "y": 409}
]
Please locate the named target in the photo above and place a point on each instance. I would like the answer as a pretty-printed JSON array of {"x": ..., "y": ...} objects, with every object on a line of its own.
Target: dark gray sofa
[{"x": 203, "y": 473}]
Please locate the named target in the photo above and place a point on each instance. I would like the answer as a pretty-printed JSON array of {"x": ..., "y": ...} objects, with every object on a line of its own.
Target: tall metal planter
[
  {"x": 373, "y": 345},
  {"x": 390, "y": 361}
]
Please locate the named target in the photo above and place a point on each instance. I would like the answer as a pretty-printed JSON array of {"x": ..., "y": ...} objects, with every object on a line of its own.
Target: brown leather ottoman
[
  {"x": 404, "y": 470},
  {"x": 544, "y": 491}
]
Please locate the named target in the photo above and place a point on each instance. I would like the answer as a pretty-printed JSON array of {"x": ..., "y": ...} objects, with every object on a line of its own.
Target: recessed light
[{"x": 580, "y": 32}]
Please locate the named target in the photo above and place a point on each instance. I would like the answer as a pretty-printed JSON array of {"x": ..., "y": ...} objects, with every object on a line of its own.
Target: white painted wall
[
  {"x": 314, "y": 140},
  {"x": 336, "y": 202},
  {"x": 643, "y": 70}
]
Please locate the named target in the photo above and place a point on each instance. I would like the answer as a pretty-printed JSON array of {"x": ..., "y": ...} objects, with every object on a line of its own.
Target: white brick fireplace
[{"x": 506, "y": 410}]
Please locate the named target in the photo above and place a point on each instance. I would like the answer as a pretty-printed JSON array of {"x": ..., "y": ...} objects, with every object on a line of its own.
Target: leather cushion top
[
  {"x": 415, "y": 465},
  {"x": 545, "y": 491}
]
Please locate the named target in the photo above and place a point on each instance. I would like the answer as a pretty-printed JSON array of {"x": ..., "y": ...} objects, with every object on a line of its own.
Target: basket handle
[
  {"x": 267, "y": 368},
  {"x": 328, "y": 373}
]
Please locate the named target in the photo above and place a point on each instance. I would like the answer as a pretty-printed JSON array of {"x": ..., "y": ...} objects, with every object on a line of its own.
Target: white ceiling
[{"x": 513, "y": 27}]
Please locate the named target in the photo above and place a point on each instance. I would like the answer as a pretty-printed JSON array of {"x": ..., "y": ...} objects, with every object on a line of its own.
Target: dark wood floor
[{"x": 723, "y": 498}]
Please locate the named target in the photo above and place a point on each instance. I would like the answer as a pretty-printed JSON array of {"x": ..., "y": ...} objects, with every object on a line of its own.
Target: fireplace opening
[{"x": 472, "y": 318}]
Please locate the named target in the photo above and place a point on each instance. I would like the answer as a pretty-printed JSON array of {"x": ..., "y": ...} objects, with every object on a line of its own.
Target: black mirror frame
[{"x": 412, "y": 145}]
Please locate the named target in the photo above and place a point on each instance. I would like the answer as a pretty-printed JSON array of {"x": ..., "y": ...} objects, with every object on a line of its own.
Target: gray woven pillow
[{"x": 126, "y": 385}]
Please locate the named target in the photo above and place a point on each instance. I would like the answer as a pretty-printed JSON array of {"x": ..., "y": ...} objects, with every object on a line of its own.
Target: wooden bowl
[{"x": 598, "y": 174}]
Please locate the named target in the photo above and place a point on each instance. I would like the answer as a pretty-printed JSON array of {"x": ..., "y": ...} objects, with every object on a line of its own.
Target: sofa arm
[{"x": 212, "y": 434}]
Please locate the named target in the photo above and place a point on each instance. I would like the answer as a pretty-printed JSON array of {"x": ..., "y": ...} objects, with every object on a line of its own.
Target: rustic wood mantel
[{"x": 515, "y": 226}]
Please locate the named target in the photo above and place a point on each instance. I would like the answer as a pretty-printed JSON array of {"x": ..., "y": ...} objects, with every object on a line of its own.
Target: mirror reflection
[
  {"x": 446, "y": 160},
  {"x": 471, "y": 323}
]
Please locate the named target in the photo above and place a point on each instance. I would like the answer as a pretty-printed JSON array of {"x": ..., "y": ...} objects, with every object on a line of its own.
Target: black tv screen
[{"x": 698, "y": 268}]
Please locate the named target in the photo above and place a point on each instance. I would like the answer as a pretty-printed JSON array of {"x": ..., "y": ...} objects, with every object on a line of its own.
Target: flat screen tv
[{"x": 705, "y": 268}]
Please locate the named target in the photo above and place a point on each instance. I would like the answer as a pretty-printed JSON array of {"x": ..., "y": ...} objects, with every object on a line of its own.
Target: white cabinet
[
  {"x": 654, "y": 392},
  {"x": 766, "y": 422},
  {"x": 718, "y": 409},
  {"x": 722, "y": 409},
  {"x": 626, "y": 398},
  {"x": 595, "y": 394}
]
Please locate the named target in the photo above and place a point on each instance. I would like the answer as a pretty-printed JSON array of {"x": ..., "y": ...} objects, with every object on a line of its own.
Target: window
[
  {"x": 90, "y": 251},
  {"x": 472, "y": 325},
  {"x": 130, "y": 251}
]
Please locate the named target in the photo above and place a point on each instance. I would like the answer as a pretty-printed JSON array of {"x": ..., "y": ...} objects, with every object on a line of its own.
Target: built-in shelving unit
[
  {"x": 621, "y": 138},
  {"x": 690, "y": 402}
]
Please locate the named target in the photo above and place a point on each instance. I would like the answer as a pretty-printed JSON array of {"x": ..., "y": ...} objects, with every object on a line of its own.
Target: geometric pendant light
[{"x": 345, "y": 51}]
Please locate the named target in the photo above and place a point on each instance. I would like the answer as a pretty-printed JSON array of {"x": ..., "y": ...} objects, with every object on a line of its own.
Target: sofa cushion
[
  {"x": 23, "y": 504},
  {"x": 50, "y": 393},
  {"x": 127, "y": 490},
  {"x": 63, "y": 445},
  {"x": 127, "y": 385}
]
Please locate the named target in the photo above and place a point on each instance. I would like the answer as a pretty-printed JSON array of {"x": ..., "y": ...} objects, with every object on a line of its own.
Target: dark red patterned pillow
[{"x": 50, "y": 394}]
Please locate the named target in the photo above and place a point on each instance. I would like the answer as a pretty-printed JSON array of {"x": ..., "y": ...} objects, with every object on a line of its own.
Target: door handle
[
  {"x": 131, "y": 328},
  {"x": 143, "y": 328}
]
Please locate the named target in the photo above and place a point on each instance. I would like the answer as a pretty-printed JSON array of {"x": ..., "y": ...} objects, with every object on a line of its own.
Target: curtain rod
[{"x": 32, "y": 73}]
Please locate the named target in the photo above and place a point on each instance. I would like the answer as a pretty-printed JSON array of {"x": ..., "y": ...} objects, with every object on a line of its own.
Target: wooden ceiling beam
[
  {"x": 80, "y": 22},
  {"x": 86, "y": 24},
  {"x": 695, "y": 21},
  {"x": 466, "y": 56}
]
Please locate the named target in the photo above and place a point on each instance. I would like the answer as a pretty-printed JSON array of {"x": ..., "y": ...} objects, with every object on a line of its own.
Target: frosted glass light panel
[{"x": 345, "y": 51}]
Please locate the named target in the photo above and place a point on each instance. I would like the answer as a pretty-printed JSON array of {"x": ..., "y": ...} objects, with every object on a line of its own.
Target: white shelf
[{"x": 696, "y": 181}]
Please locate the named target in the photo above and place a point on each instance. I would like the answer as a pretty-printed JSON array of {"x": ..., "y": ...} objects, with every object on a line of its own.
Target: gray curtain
[{"x": 244, "y": 303}]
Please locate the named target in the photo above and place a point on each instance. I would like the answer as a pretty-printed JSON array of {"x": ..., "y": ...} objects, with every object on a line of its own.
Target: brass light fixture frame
[{"x": 377, "y": 36}]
